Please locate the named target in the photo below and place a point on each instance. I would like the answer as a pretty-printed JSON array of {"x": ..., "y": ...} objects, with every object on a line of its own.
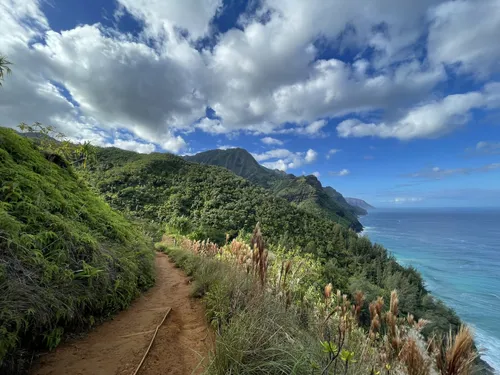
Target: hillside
[
  {"x": 304, "y": 191},
  {"x": 339, "y": 198},
  {"x": 356, "y": 202},
  {"x": 203, "y": 201},
  {"x": 67, "y": 259}
]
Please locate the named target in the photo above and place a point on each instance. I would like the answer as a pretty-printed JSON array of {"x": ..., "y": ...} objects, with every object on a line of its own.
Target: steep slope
[
  {"x": 339, "y": 198},
  {"x": 67, "y": 259},
  {"x": 239, "y": 161},
  {"x": 356, "y": 202},
  {"x": 215, "y": 201},
  {"x": 304, "y": 191},
  {"x": 204, "y": 201}
]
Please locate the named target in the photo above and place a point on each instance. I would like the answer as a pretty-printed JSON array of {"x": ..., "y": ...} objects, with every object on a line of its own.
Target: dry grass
[
  {"x": 456, "y": 354},
  {"x": 260, "y": 323}
]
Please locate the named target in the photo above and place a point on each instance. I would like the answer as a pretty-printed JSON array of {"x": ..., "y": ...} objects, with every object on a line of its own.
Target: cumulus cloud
[
  {"x": 284, "y": 159},
  {"x": 342, "y": 172},
  {"x": 142, "y": 148},
  {"x": 427, "y": 120},
  {"x": 271, "y": 141},
  {"x": 162, "y": 16},
  {"x": 259, "y": 77},
  {"x": 311, "y": 156},
  {"x": 312, "y": 130},
  {"x": 317, "y": 174},
  {"x": 225, "y": 147},
  {"x": 469, "y": 49}
]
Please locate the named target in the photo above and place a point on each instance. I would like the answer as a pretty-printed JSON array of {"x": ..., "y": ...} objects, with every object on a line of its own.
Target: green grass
[
  {"x": 269, "y": 329},
  {"x": 256, "y": 333},
  {"x": 67, "y": 260}
]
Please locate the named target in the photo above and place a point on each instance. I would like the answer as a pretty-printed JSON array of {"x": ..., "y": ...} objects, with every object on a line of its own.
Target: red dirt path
[{"x": 180, "y": 347}]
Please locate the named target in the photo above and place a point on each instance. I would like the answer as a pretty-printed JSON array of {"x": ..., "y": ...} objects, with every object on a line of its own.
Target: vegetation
[
  {"x": 4, "y": 68},
  {"x": 67, "y": 259},
  {"x": 306, "y": 191},
  {"x": 270, "y": 318},
  {"x": 203, "y": 201}
]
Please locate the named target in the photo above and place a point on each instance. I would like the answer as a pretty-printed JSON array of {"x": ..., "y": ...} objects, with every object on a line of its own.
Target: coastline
[{"x": 489, "y": 365}]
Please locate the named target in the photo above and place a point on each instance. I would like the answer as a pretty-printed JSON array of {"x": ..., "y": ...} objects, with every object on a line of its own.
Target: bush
[
  {"x": 67, "y": 259},
  {"x": 282, "y": 326}
]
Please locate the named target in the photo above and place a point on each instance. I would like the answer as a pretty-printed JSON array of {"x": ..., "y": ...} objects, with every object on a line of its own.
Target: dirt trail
[{"x": 180, "y": 347}]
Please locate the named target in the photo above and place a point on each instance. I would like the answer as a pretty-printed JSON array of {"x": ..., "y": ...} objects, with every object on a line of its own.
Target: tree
[{"x": 4, "y": 68}]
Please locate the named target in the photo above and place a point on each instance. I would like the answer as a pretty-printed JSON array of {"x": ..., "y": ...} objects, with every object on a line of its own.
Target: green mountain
[
  {"x": 356, "y": 202},
  {"x": 306, "y": 192},
  {"x": 203, "y": 201},
  {"x": 67, "y": 259}
]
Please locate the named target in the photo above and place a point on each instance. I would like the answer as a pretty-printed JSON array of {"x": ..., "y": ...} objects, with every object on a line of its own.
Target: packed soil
[{"x": 117, "y": 346}]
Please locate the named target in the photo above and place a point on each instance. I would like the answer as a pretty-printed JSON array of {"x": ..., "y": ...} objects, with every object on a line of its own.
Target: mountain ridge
[
  {"x": 306, "y": 192},
  {"x": 356, "y": 202}
]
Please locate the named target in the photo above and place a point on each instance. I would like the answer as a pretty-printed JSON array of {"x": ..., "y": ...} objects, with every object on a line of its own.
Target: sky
[{"x": 395, "y": 101}]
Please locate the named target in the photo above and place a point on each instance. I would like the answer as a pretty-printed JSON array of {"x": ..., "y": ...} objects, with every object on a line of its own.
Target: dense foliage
[
  {"x": 304, "y": 191},
  {"x": 67, "y": 259},
  {"x": 208, "y": 202},
  {"x": 270, "y": 318}
]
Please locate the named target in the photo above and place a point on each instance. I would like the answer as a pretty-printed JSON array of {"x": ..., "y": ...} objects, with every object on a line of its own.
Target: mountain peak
[{"x": 304, "y": 191}]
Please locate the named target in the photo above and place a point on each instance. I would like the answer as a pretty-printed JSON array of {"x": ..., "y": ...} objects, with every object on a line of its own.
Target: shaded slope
[
  {"x": 66, "y": 258},
  {"x": 304, "y": 191}
]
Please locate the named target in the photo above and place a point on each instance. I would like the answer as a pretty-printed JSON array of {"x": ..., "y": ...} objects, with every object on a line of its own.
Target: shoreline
[{"x": 489, "y": 367}]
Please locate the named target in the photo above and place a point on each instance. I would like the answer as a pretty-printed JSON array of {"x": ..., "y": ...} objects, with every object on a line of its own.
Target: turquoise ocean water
[{"x": 458, "y": 253}]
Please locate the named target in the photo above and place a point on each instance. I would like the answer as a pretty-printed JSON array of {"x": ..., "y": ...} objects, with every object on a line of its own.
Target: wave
[{"x": 489, "y": 347}]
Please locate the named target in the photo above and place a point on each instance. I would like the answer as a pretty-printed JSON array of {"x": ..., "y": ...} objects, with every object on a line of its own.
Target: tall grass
[
  {"x": 67, "y": 260},
  {"x": 265, "y": 324}
]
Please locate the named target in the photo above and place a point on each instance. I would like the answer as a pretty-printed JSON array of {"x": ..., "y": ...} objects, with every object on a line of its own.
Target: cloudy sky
[{"x": 393, "y": 101}]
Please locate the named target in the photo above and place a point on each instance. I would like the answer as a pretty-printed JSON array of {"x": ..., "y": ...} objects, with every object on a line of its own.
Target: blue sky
[{"x": 396, "y": 102}]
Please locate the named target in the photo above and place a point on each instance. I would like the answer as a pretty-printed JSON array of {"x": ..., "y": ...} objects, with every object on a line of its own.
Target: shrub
[{"x": 66, "y": 258}]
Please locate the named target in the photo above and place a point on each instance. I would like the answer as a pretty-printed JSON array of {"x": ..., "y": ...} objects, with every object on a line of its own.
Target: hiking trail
[{"x": 117, "y": 346}]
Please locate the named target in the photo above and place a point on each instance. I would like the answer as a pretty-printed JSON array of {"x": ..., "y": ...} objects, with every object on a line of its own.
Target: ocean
[{"x": 457, "y": 252}]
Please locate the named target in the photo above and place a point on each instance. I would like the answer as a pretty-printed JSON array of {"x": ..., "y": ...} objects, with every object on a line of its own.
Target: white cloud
[
  {"x": 174, "y": 144},
  {"x": 142, "y": 148},
  {"x": 314, "y": 129},
  {"x": 463, "y": 33},
  {"x": 262, "y": 77},
  {"x": 317, "y": 174},
  {"x": 342, "y": 172},
  {"x": 271, "y": 141},
  {"x": 284, "y": 159},
  {"x": 161, "y": 16},
  {"x": 212, "y": 126},
  {"x": 311, "y": 156},
  {"x": 225, "y": 147},
  {"x": 428, "y": 120},
  {"x": 278, "y": 164},
  {"x": 332, "y": 152}
]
